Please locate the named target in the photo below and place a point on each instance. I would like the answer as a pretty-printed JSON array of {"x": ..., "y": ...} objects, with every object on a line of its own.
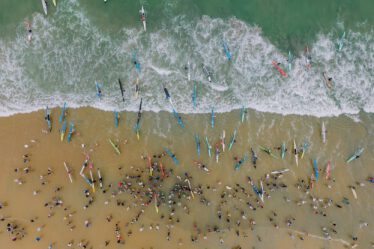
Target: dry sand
[{"x": 45, "y": 150}]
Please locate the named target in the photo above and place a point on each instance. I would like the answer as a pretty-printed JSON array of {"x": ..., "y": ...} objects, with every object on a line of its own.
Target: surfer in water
[
  {"x": 308, "y": 57},
  {"x": 29, "y": 31},
  {"x": 142, "y": 17},
  {"x": 167, "y": 95},
  {"x": 328, "y": 80},
  {"x": 99, "y": 91}
]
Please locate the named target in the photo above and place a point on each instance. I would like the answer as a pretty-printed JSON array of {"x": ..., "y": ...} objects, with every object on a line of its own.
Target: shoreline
[
  {"x": 74, "y": 107},
  {"x": 158, "y": 130}
]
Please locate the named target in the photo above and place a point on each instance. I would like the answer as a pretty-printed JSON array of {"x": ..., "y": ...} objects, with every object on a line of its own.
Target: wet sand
[{"x": 220, "y": 211}]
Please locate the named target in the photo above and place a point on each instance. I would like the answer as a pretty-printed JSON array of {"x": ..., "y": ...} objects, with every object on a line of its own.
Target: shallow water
[{"x": 95, "y": 127}]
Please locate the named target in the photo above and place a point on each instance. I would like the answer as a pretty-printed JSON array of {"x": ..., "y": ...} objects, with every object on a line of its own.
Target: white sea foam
[{"x": 68, "y": 54}]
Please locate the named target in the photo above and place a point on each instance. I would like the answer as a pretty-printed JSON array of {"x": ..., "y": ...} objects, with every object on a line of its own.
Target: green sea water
[{"x": 290, "y": 24}]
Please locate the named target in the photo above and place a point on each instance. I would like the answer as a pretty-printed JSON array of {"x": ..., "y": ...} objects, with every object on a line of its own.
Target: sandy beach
[{"x": 192, "y": 205}]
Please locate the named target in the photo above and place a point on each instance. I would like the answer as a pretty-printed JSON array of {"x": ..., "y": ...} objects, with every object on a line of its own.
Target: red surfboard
[{"x": 280, "y": 70}]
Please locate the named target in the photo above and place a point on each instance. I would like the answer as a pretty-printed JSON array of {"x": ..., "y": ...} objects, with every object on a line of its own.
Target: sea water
[{"x": 83, "y": 42}]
